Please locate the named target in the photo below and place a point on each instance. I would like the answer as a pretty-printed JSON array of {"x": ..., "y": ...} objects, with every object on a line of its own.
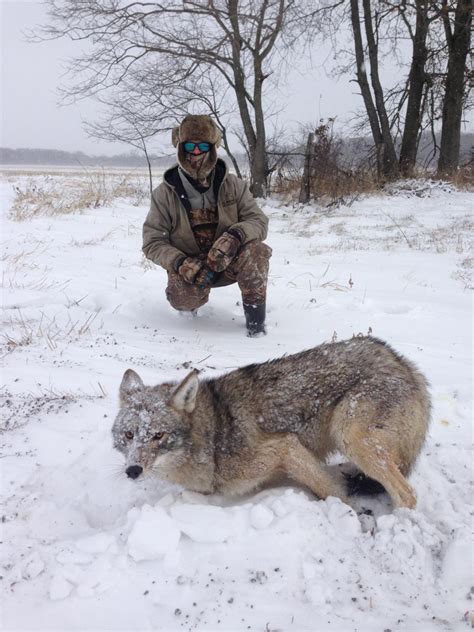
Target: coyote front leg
[{"x": 303, "y": 467}]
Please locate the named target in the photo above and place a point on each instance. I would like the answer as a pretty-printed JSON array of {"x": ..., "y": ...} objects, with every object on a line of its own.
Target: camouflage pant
[{"x": 249, "y": 269}]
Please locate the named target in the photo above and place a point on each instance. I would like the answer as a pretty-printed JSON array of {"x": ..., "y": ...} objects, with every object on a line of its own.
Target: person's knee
[
  {"x": 254, "y": 256},
  {"x": 186, "y": 301},
  {"x": 256, "y": 250}
]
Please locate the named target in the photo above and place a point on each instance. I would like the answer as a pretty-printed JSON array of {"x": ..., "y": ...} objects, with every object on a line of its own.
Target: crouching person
[{"x": 205, "y": 228}]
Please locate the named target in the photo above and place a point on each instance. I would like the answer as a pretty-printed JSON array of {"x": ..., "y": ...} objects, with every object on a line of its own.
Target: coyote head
[{"x": 152, "y": 428}]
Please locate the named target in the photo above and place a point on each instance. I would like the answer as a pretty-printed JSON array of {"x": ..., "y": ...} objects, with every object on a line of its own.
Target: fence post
[{"x": 305, "y": 191}]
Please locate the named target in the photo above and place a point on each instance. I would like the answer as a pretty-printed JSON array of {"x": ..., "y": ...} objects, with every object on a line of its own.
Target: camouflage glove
[
  {"x": 205, "y": 277},
  {"x": 190, "y": 268},
  {"x": 223, "y": 251}
]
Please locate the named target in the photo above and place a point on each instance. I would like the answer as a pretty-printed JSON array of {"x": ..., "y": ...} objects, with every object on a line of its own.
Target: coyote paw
[{"x": 359, "y": 483}]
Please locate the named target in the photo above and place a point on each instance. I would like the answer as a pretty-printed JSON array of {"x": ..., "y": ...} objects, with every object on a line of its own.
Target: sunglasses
[{"x": 190, "y": 147}]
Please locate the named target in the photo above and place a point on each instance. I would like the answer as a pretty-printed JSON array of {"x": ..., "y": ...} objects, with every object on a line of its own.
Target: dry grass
[
  {"x": 23, "y": 258},
  {"x": 332, "y": 188},
  {"x": 457, "y": 236},
  {"x": 334, "y": 183},
  {"x": 337, "y": 187},
  {"x": 464, "y": 177},
  {"x": 465, "y": 273},
  {"x": 79, "y": 243},
  {"x": 19, "y": 409},
  {"x": 19, "y": 332},
  {"x": 21, "y": 281},
  {"x": 50, "y": 195},
  {"x": 330, "y": 178}
]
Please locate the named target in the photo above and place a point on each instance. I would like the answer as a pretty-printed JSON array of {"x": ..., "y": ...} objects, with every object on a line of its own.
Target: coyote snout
[
  {"x": 134, "y": 471},
  {"x": 233, "y": 433}
]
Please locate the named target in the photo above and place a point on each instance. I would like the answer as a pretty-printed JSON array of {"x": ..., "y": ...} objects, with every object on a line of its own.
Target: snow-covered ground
[{"x": 86, "y": 549}]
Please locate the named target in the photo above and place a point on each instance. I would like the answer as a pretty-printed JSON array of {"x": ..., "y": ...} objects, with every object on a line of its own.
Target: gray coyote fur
[{"x": 233, "y": 433}]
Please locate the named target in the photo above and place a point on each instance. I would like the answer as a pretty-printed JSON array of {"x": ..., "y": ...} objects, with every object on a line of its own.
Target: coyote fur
[{"x": 233, "y": 433}]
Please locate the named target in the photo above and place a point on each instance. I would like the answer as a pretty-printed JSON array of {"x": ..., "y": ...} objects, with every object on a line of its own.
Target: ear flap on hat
[
  {"x": 218, "y": 137},
  {"x": 175, "y": 136}
]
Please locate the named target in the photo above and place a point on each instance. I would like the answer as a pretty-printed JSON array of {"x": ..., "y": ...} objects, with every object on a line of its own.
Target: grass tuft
[{"x": 49, "y": 196}]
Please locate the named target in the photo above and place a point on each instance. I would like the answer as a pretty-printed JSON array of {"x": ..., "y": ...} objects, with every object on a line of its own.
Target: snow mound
[
  {"x": 418, "y": 188},
  {"x": 343, "y": 518},
  {"x": 204, "y": 523},
  {"x": 153, "y": 535},
  {"x": 97, "y": 543},
  {"x": 457, "y": 570},
  {"x": 59, "y": 588}
]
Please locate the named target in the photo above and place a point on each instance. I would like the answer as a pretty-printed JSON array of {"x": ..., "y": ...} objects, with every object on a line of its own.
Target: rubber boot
[{"x": 255, "y": 319}]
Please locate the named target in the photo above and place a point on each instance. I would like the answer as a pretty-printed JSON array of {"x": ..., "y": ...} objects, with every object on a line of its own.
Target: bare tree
[
  {"x": 375, "y": 106},
  {"x": 121, "y": 125},
  {"x": 429, "y": 89},
  {"x": 416, "y": 83},
  {"x": 400, "y": 112},
  {"x": 145, "y": 105},
  {"x": 458, "y": 38},
  {"x": 235, "y": 40}
]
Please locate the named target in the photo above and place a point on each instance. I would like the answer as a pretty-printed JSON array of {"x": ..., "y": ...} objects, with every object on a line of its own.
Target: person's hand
[
  {"x": 205, "y": 277},
  {"x": 190, "y": 268},
  {"x": 223, "y": 251}
]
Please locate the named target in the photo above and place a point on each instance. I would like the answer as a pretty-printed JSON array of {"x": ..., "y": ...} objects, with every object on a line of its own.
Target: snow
[
  {"x": 84, "y": 548},
  {"x": 97, "y": 543},
  {"x": 153, "y": 535},
  {"x": 60, "y": 588},
  {"x": 204, "y": 523},
  {"x": 261, "y": 517}
]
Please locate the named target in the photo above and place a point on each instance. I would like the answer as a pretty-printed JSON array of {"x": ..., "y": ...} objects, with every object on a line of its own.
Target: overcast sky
[{"x": 32, "y": 72}]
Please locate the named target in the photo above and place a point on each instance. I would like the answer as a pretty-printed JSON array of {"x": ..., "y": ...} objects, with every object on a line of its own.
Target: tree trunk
[
  {"x": 364, "y": 86},
  {"x": 259, "y": 163},
  {"x": 389, "y": 157},
  {"x": 229, "y": 152},
  {"x": 147, "y": 157},
  {"x": 458, "y": 46},
  {"x": 258, "y": 185},
  {"x": 416, "y": 83}
]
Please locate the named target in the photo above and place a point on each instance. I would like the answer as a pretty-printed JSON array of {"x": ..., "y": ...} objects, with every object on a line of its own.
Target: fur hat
[{"x": 199, "y": 128}]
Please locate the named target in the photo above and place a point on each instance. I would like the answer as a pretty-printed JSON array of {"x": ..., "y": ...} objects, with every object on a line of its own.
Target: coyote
[{"x": 234, "y": 433}]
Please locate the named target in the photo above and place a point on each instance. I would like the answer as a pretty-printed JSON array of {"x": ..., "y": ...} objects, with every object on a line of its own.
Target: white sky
[{"x": 32, "y": 72}]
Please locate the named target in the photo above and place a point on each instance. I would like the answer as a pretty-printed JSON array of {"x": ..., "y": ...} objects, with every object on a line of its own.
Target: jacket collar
[{"x": 172, "y": 179}]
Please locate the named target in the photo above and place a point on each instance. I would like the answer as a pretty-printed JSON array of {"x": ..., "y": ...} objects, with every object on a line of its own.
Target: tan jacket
[{"x": 167, "y": 233}]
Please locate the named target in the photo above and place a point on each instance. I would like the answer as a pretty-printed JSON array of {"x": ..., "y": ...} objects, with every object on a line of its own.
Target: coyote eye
[
  {"x": 129, "y": 435},
  {"x": 158, "y": 436}
]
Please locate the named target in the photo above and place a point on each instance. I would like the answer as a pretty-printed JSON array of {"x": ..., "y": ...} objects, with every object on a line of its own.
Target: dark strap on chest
[{"x": 174, "y": 179}]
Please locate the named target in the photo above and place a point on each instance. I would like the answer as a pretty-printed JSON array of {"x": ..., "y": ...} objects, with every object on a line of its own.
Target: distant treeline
[
  {"x": 352, "y": 151},
  {"x": 77, "y": 158},
  {"x": 355, "y": 150}
]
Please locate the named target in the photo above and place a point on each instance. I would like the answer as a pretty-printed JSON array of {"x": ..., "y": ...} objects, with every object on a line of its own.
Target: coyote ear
[
  {"x": 183, "y": 398},
  {"x": 131, "y": 382}
]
